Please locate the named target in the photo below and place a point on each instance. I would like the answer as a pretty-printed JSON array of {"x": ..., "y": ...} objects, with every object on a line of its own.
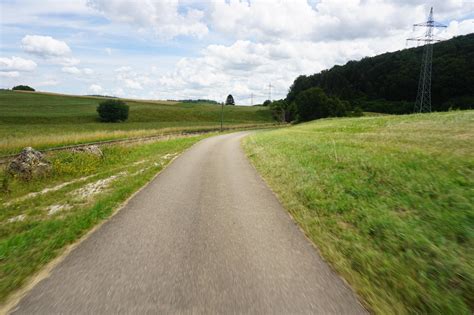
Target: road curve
[{"x": 206, "y": 236}]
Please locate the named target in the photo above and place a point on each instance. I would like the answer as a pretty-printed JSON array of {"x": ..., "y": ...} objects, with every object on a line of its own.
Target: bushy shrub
[
  {"x": 267, "y": 103},
  {"x": 23, "y": 88},
  {"x": 314, "y": 103},
  {"x": 113, "y": 111}
]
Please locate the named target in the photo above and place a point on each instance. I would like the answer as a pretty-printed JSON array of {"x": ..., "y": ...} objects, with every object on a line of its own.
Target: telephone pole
[
  {"x": 270, "y": 91},
  {"x": 222, "y": 116},
  {"x": 423, "y": 97}
]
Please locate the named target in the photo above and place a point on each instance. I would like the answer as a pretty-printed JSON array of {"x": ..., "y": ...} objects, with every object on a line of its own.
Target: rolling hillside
[{"x": 44, "y": 119}]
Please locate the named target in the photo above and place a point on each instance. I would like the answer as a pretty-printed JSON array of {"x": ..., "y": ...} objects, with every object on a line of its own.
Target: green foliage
[
  {"x": 283, "y": 111},
  {"x": 267, "y": 103},
  {"x": 357, "y": 112},
  {"x": 314, "y": 103},
  {"x": 388, "y": 201},
  {"x": 388, "y": 83},
  {"x": 23, "y": 88},
  {"x": 229, "y": 100},
  {"x": 113, "y": 111}
]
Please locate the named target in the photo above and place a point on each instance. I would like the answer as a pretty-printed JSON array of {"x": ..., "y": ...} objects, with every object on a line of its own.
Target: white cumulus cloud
[
  {"x": 53, "y": 50},
  {"x": 161, "y": 16},
  {"x": 11, "y": 67},
  {"x": 17, "y": 64},
  {"x": 265, "y": 20},
  {"x": 44, "y": 46}
]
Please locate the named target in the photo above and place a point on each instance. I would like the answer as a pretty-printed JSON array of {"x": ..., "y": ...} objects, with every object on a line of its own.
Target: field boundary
[{"x": 7, "y": 158}]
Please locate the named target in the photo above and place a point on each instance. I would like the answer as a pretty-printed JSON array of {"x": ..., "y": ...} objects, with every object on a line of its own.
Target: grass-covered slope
[
  {"x": 42, "y": 120},
  {"x": 388, "y": 200}
]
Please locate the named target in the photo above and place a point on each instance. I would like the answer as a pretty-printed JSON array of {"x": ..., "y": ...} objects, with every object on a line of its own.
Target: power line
[{"x": 423, "y": 97}]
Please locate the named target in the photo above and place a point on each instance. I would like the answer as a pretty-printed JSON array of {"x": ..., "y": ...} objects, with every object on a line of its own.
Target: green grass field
[
  {"x": 44, "y": 120},
  {"x": 388, "y": 200},
  {"x": 40, "y": 217}
]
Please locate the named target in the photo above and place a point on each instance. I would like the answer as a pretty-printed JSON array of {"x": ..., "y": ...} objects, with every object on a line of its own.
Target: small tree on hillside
[
  {"x": 230, "y": 100},
  {"x": 267, "y": 103},
  {"x": 23, "y": 88},
  {"x": 113, "y": 111}
]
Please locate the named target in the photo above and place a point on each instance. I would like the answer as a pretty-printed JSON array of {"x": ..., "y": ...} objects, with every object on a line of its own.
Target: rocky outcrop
[
  {"x": 28, "y": 164},
  {"x": 91, "y": 149}
]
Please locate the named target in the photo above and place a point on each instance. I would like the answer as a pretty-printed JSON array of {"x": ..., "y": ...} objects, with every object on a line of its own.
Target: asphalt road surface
[{"x": 206, "y": 236}]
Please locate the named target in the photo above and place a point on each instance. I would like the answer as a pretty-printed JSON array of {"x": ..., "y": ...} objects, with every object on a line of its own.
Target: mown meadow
[
  {"x": 388, "y": 201},
  {"x": 45, "y": 120}
]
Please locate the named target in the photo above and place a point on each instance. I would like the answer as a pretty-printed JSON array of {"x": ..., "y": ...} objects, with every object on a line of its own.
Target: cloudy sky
[{"x": 171, "y": 49}]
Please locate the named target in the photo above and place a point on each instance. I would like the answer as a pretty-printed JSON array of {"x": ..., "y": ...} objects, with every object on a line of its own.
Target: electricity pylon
[{"x": 423, "y": 97}]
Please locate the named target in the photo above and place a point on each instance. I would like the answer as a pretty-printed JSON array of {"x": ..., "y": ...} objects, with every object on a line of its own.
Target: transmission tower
[
  {"x": 270, "y": 91},
  {"x": 423, "y": 97}
]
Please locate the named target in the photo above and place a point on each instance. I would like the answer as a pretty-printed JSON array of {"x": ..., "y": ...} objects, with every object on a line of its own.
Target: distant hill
[
  {"x": 45, "y": 120},
  {"x": 198, "y": 101},
  {"x": 388, "y": 83}
]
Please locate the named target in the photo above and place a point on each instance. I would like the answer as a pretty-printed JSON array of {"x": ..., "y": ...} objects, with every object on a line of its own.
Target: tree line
[{"x": 385, "y": 83}]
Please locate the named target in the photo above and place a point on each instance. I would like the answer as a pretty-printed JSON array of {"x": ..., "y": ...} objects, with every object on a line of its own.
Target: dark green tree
[
  {"x": 314, "y": 103},
  {"x": 267, "y": 103},
  {"x": 229, "y": 100},
  {"x": 113, "y": 111},
  {"x": 23, "y": 88},
  {"x": 283, "y": 111}
]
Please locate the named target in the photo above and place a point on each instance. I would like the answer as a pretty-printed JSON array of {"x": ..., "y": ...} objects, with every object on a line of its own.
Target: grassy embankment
[
  {"x": 44, "y": 120},
  {"x": 388, "y": 200},
  {"x": 39, "y": 218}
]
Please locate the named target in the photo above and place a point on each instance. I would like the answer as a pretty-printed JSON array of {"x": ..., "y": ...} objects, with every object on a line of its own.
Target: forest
[{"x": 388, "y": 83}]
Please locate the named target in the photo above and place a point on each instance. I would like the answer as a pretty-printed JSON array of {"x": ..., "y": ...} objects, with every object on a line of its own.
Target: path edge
[
  {"x": 16, "y": 296},
  {"x": 359, "y": 299}
]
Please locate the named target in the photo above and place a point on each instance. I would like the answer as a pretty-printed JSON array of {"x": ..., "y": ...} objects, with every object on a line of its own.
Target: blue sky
[{"x": 169, "y": 49}]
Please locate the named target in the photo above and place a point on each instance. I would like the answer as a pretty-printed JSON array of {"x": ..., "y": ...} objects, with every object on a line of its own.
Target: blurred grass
[
  {"x": 44, "y": 120},
  {"x": 27, "y": 245},
  {"x": 389, "y": 201}
]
